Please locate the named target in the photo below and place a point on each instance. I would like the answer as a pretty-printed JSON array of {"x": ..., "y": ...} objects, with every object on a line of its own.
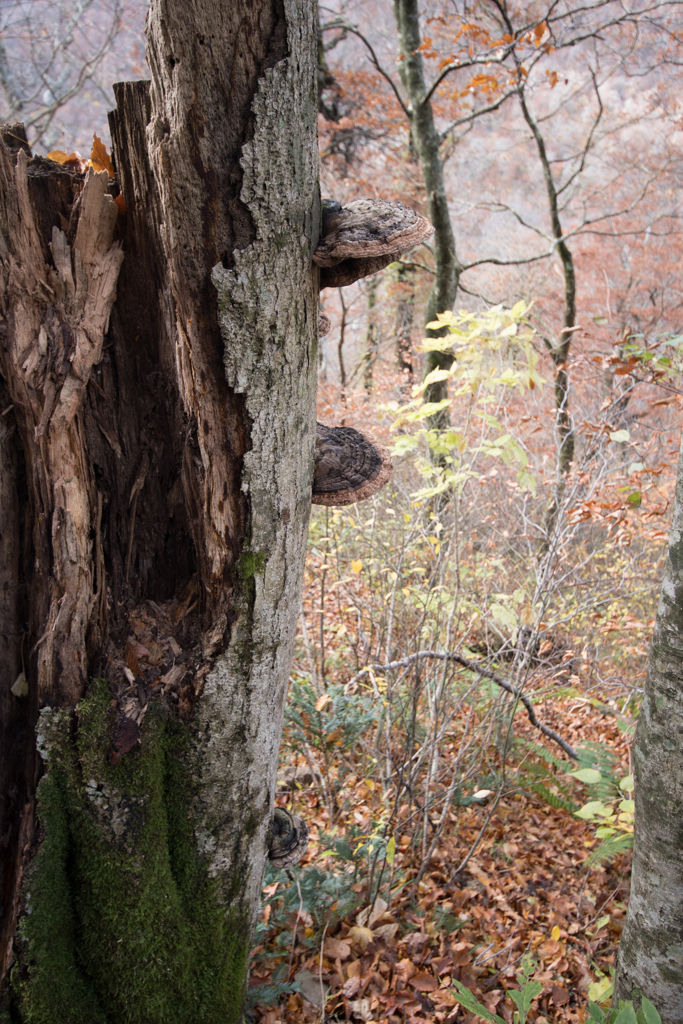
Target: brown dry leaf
[
  {"x": 387, "y": 932},
  {"x": 368, "y": 916},
  {"x": 355, "y": 969},
  {"x": 131, "y": 660},
  {"x": 361, "y": 1008},
  {"x": 444, "y": 997},
  {"x": 360, "y": 936},
  {"x": 560, "y": 996},
  {"x": 155, "y": 654},
  {"x": 120, "y": 202},
  {"x": 424, "y": 982},
  {"x": 139, "y": 650},
  {"x": 322, "y": 701},
  {"x": 174, "y": 645},
  {"x": 405, "y": 969},
  {"x": 351, "y": 987},
  {"x": 74, "y": 161},
  {"x": 99, "y": 158},
  {"x": 337, "y": 949}
]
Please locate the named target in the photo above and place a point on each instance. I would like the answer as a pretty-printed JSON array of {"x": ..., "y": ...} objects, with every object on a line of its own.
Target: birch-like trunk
[
  {"x": 651, "y": 949},
  {"x": 156, "y": 456}
]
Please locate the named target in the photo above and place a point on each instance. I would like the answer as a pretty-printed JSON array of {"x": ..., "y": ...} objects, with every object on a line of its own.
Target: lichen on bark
[{"x": 651, "y": 948}]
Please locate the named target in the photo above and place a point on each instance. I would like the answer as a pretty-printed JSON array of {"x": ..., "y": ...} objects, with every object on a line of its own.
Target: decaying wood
[
  {"x": 52, "y": 328},
  {"x": 162, "y": 445},
  {"x": 56, "y": 318}
]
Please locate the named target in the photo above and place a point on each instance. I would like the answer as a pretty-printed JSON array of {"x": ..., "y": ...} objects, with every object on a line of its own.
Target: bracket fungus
[
  {"x": 349, "y": 466},
  {"x": 288, "y": 838},
  {"x": 363, "y": 237}
]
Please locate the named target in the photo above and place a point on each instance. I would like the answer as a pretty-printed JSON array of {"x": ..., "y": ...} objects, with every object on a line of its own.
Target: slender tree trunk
[
  {"x": 371, "y": 339},
  {"x": 427, "y": 144},
  {"x": 651, "y": 949},
  {"x": 405, "y": 317},
  {"x": 559, "y": 353},
  {"x": 156, "y": 452}
]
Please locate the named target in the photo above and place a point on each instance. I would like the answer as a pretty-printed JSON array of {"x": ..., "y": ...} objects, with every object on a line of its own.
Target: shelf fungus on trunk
[
  {"x": 363, "y": 237},
  {"x": 288, "y": 839},
  {"x": 349, "y": 466}
]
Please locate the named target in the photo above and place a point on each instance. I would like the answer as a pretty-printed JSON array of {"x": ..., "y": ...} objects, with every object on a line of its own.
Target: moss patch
[
  {"x": 250, "y": 563},
  {"x": 123, "y": 923}
]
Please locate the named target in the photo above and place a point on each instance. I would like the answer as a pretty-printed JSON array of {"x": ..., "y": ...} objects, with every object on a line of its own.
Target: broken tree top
[
  {"x": 363, "y": 237},
  {"x": 349, "y": 466}
]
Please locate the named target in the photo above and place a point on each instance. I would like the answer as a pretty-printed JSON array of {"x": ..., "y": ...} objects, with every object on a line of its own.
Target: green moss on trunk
[{"x": 123, "y": 923}]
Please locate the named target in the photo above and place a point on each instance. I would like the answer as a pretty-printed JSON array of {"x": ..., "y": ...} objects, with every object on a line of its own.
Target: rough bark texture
[
  {"x": 156, "y": 461},
  {"x": 651, "y": 948}
]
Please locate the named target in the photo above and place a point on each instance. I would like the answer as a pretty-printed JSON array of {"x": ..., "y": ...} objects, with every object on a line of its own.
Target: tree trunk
[
  {"x": 156, "y": 457},
  {"x": 651, "y": 948},
  {"x": 427, "y": 145},
  {"x": 405, "y": 315}
]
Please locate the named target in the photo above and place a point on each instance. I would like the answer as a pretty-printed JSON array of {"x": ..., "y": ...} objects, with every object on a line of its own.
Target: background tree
[{"x": 157, "y": 464}]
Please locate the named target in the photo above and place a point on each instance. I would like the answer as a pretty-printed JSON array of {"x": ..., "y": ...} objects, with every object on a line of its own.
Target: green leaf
[
  {"x": 627, "y": 1015},
  {"x": 649, "y": 1012},
  {"x": 627, "y": 784},
  {"x": 596, "y": 1014},
  {"x": 471, "y": 1003},
  {"x": 592, "y": 809},
  {"x": 524, "y": 997},
  {"x": 600, "y": 989},
  {"x": 589, "y": 775},
  {"x": 390, "y": 852}
]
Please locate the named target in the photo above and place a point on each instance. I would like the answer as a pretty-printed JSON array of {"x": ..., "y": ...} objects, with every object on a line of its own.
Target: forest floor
[{"x": 527, "y": 889}]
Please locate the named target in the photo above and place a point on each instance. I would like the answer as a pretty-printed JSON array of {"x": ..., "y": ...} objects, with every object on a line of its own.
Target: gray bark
[
  {"x": 426, "y": 142},
  {"x": 165, "y": 444},
  {"x": 651, "y": 949}
]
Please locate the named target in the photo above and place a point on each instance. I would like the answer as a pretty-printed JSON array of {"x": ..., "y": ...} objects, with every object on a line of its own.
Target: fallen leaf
[
  {"x": 351, "y": 987},
  {"x": 560, "y": 996},
  {"x": 337, "y": 949},
  {"x": 360, "y": 936},
  {"x": 361, "y": 1008},
  {"x": 311, "y": 988},
  {"x": 20, "y": 686},
  {"x": 424, "y": 982},
  {"x": 387, "y": 932},
  {"x": 369, "y": 915},
  {"x": 131, "y": 660},
  {"x": 322, "y": 701}
]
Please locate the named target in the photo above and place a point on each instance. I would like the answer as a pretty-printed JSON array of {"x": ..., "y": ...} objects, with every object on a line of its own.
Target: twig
[{"x": 486, "y": 673}]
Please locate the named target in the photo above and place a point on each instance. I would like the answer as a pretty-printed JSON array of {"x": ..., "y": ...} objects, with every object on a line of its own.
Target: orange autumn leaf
[
  {"x": 73, "y": 160},
  {"x": 120, "y": 202},
  {"x": 99, "y": 158}
]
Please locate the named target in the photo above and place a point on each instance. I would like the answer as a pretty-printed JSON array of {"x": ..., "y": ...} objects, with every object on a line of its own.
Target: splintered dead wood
[{"x": 55, "y": 320}]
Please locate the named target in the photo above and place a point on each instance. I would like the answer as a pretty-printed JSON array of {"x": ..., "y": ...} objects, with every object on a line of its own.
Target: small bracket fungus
[
  {"x": 348, "y": 466},
  {"x": 364, "y": 237},
  {"x": 324, "y": 324},
  {"x": 288, "y": 839}
]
